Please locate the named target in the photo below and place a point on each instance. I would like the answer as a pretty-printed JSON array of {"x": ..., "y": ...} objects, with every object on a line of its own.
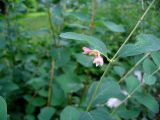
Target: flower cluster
[{"x": 98, "y": 59}]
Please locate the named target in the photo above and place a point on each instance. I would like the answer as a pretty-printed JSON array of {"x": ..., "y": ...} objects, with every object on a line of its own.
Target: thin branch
[{"x": 156, "y": 71}]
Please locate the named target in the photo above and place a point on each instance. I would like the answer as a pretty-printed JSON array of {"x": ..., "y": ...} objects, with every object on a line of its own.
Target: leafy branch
[
  {"x": 115, "y": 56},
  {"x": 131, "y": 94}
]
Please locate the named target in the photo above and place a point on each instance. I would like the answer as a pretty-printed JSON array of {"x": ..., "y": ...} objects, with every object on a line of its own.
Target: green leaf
[
  {"x": 69, "y": 113},
  {"x": 58, "y": 96},
  {"x": 46, "y": 113},
  {"x": 38, "y": 101},
  {"x": 3, "y": 109},
  {"x": 156, "y": 57},
  {"x": 43, "y": 92},
  {"x": 30, "y": 109},
  {"x": 2, "y": 43},
  {"x": 119, "y": 70},
  {"x": 61, "y": 56},
  {"x": 107, "y": 89},
  {"x": 76, "y": 25},
  {"x": 148, "y": 101},
  {"x": 94, "y": 42},
  {"x": 84, "y": 60},
  {"x": 126, "y": 114},
  {"x": 79, "y": 15},
  {"x": 98, "y": 114},
  {"x": 29, "y": 117},
  {"x": 37, "y": 82},
  {"x": 131, "y": 83},
  {"x": 149, "y": 79},
  {"x": 148, "y": 66},
  {"x": 7, "y": 86},
  {"x": 69, "y": 82},
  {"x": 145, "y": 43},
  {"x": 114, "y": 27}
]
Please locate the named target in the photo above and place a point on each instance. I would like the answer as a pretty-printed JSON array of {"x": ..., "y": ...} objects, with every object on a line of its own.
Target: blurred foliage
[{"x": 35, "y": 33}]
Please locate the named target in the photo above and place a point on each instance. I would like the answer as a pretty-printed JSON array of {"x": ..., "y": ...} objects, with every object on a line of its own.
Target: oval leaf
[
  {"x": 114, "y": 27},
  {"x": 149, "y": 101},
  {"x": 46, "y": 113},
  {"x": 94, "y": 42},
  {"x": 149, "y": 79},
  {"x": 84, "y": 60},
  {"x": 69, "y": 113}
]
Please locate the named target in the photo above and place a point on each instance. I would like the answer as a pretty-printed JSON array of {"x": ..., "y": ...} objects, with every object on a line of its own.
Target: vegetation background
[{"x": 45, "y": 76}]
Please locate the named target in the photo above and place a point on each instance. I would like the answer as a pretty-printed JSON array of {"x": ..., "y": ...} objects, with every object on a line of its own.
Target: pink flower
[
  {"x": 98, "y": 61},
  {"x": 86, "y": 50}
]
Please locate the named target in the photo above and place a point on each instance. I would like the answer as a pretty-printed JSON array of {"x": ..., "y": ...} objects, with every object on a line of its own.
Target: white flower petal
[{"x": 113, "y": 102}]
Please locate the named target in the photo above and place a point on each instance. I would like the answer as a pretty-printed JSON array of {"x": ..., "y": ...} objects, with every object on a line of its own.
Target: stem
[
  {"x": 109, "y": 60},
  {"x": 131, "y": 70},
  {"x": 93, "y": 14},
  {"x": 114, "y": 57},
  {"x": 50, "y": 84},
  {"x": 156, "y": 71}
]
